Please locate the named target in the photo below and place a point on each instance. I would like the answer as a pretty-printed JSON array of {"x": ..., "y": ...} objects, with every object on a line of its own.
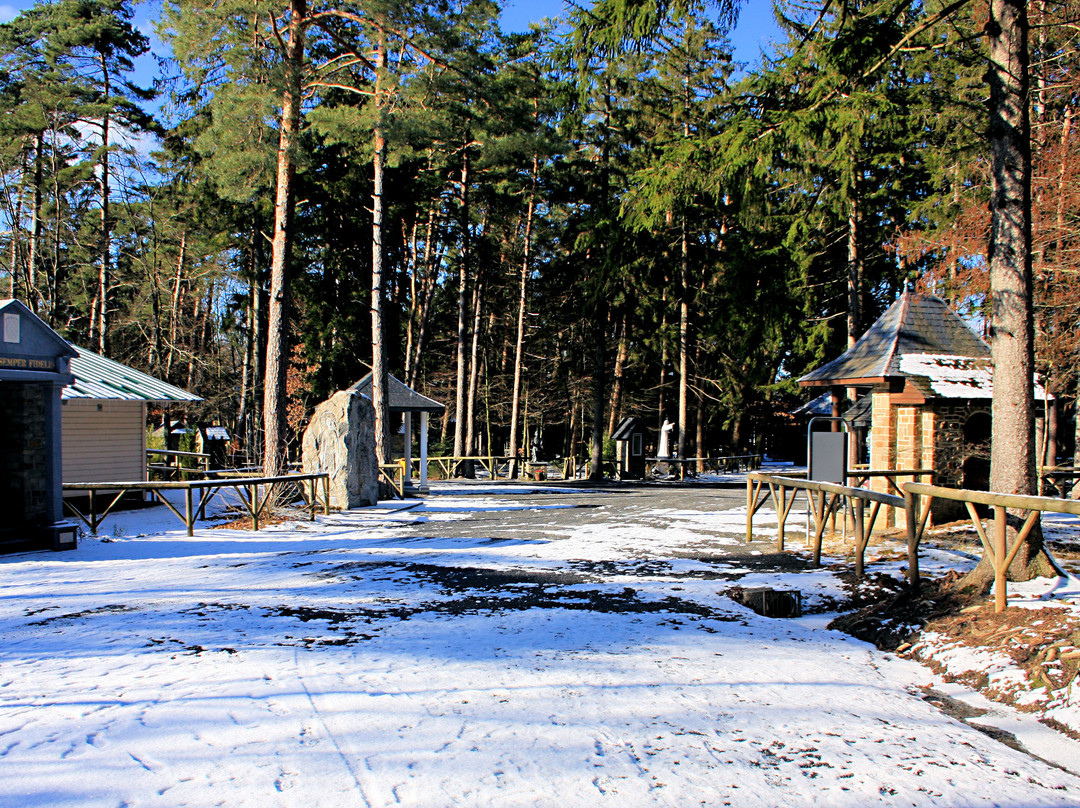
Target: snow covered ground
[{"x": 476, "y": 649}]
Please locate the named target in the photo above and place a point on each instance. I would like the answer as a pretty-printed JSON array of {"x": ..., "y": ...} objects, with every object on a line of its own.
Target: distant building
[{"x": 629, "y": 437}]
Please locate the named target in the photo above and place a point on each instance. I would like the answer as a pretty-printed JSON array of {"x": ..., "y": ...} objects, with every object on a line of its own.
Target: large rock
[{"x": 340, "y": 440}]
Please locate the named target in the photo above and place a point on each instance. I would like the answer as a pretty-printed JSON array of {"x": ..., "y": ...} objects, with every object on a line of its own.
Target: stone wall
[
  {"x": 340, "y": 440},
  {"x": 26, "y": 485}
]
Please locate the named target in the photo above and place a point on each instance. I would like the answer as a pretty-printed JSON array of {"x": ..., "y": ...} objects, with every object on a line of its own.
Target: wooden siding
[{"x": 104, "y": 441}]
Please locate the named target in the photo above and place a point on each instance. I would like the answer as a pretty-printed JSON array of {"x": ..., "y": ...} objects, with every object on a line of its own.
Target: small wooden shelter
[
  {"x": 629, "y": 437},
  {"x": 406, "y": 402},
  {"x": 104, "y": 418},
  {"x": 930, "y": 383}
]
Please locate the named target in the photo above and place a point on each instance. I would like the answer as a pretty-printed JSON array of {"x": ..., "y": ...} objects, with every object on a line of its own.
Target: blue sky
[
  {"x": 752, "y": 34},
  {"x": 750, "y": 37}
]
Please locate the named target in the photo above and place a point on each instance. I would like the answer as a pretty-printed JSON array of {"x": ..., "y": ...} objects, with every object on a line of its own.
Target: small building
[
  {"x": 405, "y": 402},
  {"x": 104, "y": 419},
  {"x": 929, "y": 380},
  {"x": 34, "y": 369},
  {"x": 629, "y": 437}
]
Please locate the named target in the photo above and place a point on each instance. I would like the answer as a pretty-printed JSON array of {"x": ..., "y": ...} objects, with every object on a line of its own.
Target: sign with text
[{"x": 39, "y": 363}]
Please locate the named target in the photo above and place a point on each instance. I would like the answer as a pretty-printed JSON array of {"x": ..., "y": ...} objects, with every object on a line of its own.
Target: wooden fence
[
  {"x": 998, "y": 550},
  {"x": 826, "y": 498},
  {"x": 247, "y": 490}
]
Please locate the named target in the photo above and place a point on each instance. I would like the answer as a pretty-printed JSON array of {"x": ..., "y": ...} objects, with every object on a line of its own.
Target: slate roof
[
  {"x": 857, "y": 413},
  {"x": 99, "y": 378},
  {"x": 401, "y": 398},
  {"x": 950, "y": 376},
  {"x": 914, "y": 324}
]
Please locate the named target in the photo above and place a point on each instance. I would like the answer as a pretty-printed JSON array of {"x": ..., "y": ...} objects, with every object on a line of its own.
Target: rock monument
[{"x": 340, "y": 440}]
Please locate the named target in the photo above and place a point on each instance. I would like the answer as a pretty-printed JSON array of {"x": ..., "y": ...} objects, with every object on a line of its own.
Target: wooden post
[
  {"x": 783, "y": 512},
  {"x": 749, "y": 510},
  {"x": 93, "y": 512},
  {"x": 1000, "y": 561},
  {"x": 911, "y": 505},
  {"x": 189, "y": 514},
  {"x": 860, "y": 538},
  {"x": 255, "y": 507}
]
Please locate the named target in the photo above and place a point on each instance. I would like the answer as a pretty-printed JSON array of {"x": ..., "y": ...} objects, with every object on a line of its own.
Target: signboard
[
  {"x": 46, "y": 363},
  {"x": 828, "y": 457}
]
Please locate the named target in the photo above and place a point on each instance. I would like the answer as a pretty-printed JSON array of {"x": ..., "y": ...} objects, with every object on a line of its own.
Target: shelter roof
[
  {"x": 401, "y": 397},
  {"x": 914, "y": 324},
  {"x": 626, "y": 427},
  {"x": 99, "y": 378},
  {"x": 957, "y": 377}
]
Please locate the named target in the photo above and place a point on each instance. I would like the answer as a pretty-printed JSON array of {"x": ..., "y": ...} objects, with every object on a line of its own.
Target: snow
[
  {"x": 392, "y": 656},
  {"x": 953, "y": 376}
]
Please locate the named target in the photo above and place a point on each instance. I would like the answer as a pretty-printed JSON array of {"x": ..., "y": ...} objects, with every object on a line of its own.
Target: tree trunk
[
  {"x": 277, "y": 336},
  {"x": 462, "y": 325},
  {"x": 519, "y": 340},
  {"x": 379, "y": 371},
  {"x": 596, "y": 453},
  {"x": 174, "y": 314},
  {"x": 1012, "y": 456},
  {"x": 104, "y": 279},
  {"x": 615, "y": 406},
  {"x": 474, "y": 369},
  {"x": 35, "y": 299},
  {"x": 684, "y": 341}
]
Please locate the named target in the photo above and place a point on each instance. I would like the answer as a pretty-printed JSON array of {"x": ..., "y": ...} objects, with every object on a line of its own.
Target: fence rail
[
  {"x": 171, "y": 469},
  {"x": 998, "y": 550},
  {"x": 825, "y": 499},
  {"x": 247, "y": 490}
]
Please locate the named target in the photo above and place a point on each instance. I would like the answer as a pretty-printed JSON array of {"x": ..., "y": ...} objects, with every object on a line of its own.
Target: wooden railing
[
  {"x": 171, "y": 468},
  {"x": 247, "y": 490},
  {"x": 1000, "y": 553},
  {"x": 825, "y": 498},
  {"x": 393, "y": 474}
]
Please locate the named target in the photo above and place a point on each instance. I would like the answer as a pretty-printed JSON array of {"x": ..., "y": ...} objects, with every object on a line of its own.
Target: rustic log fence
[
  {"x": 246, "y": 489},
  {"x": 824, "y": 499},
  {"x": 171, "y": 468},
  {"x": 998, "y": 550}
]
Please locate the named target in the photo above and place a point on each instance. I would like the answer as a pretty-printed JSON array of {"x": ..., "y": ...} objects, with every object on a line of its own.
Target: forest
[{"x": 546, "y": 231}]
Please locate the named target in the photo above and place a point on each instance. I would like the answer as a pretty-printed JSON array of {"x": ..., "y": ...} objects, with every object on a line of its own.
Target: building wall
[
  {"x": 104, "y": 441},
  {"x": 26, "y": 483},
  {"x": 927, "y": 436}
]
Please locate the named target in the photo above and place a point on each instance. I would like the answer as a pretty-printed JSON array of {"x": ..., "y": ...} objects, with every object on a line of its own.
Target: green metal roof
[{"x": 99, "y": 378}]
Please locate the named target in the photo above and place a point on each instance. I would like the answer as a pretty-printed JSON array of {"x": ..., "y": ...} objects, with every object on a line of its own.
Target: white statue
[{"x": 665, "y": 439}]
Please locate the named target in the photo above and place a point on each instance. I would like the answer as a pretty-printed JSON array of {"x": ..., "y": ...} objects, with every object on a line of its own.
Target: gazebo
[
  {"x": 930, "y": 383},
  {"x": 405, "y": 401}
]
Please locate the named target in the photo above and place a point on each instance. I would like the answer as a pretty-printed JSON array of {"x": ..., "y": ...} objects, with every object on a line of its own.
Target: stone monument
[{"x": 340, "y": 440}]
